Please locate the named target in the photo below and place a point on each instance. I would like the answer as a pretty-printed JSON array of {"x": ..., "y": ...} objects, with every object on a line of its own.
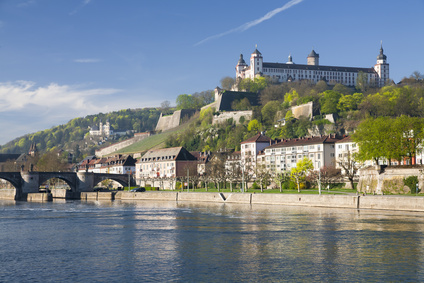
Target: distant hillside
[
  {"x": 156, "y": 141},
  {"x": 74, "y": 136}
]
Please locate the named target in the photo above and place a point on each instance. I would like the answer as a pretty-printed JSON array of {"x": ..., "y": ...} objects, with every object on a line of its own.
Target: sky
[{"x": 65, "y": 59}]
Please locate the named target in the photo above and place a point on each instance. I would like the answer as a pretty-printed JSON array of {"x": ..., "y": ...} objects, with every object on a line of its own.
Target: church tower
[
  {"x": 241, "y": 65},
  {"x": 382, "y": 68},
  {"x": 313, "y": 58},
  {"x": 256, "y": 63}
]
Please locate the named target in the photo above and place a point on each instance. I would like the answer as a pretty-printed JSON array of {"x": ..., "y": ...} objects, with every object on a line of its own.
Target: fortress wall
[
  {"x": 117, "y": 146},
  {"x": 168, "y": 122},
  {"x": 305, "y": 110},
  {"x": 224, "y": 116}
]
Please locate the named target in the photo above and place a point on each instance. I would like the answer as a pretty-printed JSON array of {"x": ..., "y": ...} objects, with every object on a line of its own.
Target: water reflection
[{"x": 169, "y": 241}]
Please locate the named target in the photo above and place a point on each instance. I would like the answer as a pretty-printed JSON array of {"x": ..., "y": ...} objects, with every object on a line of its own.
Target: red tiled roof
[
  {"x": 257, "y": 138},
  {"x": 346, "y": 139}
]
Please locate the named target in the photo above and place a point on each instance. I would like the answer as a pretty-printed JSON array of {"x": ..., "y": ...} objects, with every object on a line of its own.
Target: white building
[
  {"x": 102, "y": 130},
  {"x": 284, "y": 155},
  {"x": 250, "y": 149},
  {"x": 312, "y": 71}
]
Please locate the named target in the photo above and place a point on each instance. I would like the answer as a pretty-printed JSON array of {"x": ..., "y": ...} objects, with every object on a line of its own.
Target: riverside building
[
  {"x": 312, "y": 71},
  {"x": 284, "y": 155}
]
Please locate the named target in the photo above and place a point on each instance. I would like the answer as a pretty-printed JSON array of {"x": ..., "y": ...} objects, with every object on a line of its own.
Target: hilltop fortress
[{"x": 312, "y": 71}]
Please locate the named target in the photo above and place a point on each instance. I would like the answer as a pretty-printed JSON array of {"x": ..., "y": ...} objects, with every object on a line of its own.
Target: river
[{"x": 145, "y": 241}]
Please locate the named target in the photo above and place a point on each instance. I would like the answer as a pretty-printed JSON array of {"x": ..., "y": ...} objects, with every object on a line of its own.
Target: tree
[
  {"x": 349, "y": 166},
  {"x": 263, "y": 175},
  {"x": 50, "y": 162},
  {"x": 165, "y": 105},
  {"x": 227, "y": 82},
  {"x": 185, "y": 101},
  {"x": 255, "y": 85},
  {"x": 281, "y": 177},
  {"x": 254, "y": 126},
  {"x": 329, "y": 101},
  {"x": 371, "y": 137},
  {"x": 269, "y": 111},
  {"x": 298, "y": 173},
  {"x": 362, "y": 82},
  {"x": 270, "y": 93}
]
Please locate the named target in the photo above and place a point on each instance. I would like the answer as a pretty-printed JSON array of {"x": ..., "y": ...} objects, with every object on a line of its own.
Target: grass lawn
[{"x": 276, "y": 191}]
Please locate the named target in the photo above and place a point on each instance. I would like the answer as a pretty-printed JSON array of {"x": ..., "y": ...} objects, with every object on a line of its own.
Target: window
[{"x": 319, "y": 156}]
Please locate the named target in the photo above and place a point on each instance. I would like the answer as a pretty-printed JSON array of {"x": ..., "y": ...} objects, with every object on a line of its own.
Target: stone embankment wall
[
  {"x": 388, "y": 179},
  {"x": 332, "y": 201},
  {"x": 8, "y": 194},
  {"x": 235, "y": 115},
  {"x": 117, "y": 146}
]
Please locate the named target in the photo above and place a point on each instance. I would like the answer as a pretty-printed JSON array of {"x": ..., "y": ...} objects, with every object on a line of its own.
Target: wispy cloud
[
  {"x": 21, "y": 94},
  {"x": 253, "y": 23},
  {"x": 25, "y": 4},
  {"x": 26, "y": 107},
  {"x": 80, "y": 6},
  {"x": 87, "y": 60}
]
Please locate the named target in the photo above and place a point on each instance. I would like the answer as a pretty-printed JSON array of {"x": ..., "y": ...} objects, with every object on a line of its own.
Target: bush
[
  {"x": 411, "y": 182},
  {"x": 255, "y": 186}
]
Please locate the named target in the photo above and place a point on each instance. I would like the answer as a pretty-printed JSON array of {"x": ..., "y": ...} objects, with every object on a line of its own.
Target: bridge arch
[
  {"x": 68, "y": 177},
  {"x": 121, "y": 179},
  {"x": 12, "y": 177}
]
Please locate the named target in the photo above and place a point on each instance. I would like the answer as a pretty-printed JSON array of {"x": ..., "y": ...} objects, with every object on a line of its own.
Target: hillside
[
  {"x": 74, "y": 136},
  {"x": 155, "y": 141}
]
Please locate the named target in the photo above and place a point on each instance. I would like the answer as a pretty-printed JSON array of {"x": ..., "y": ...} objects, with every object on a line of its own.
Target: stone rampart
[
  {"x": 117, "y": 146},
  {"x": 388, "y": 179},
  {"x": 305, "y": 110},
  {"x": 235, "y": 115}
]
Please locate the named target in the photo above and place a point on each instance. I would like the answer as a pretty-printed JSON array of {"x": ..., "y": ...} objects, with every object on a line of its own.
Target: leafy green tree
[
  {"x": 255, "y": 85},
  {"x": 269, "y": 111},
  {"x": 254, "y": 126},
  {"x": 299, "y": 173},
  {"x": 242, "y": 104},
  {"x": 349, "y": 102},
  {"x": 329, "y": 101},
  {"x": 371, "y": 136}
]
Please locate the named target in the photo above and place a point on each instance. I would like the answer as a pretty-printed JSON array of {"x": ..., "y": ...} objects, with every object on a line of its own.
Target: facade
[
  {"x": 284, "y": 155},
  {"x": 168, "y": 163},
  {"x": 312, "y": 71},
  {"x": 250, "y": 149},
  {"x": 102, "y": 130},
  {"x": 117, "y": 164}
]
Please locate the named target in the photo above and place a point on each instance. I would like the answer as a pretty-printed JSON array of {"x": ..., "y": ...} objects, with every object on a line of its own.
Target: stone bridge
[{"x": 30, "y": 182}]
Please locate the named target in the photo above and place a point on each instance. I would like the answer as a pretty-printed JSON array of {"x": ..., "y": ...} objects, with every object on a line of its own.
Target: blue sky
[{"x": 65, "y": 59}]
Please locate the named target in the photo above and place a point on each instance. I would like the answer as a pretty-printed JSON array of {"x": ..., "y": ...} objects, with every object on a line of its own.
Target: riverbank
[
  {"x": 392, "y": 202},
  {"x": 401, "y": 203}
]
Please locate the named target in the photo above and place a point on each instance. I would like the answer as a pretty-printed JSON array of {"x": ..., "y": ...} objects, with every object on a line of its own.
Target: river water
[{"x": 144, "y": 241}]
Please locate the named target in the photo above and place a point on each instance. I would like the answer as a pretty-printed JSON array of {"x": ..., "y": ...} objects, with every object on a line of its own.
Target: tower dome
[
  {"x": 381, "y": 56},
  {"x": 290, "y": 61}
]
